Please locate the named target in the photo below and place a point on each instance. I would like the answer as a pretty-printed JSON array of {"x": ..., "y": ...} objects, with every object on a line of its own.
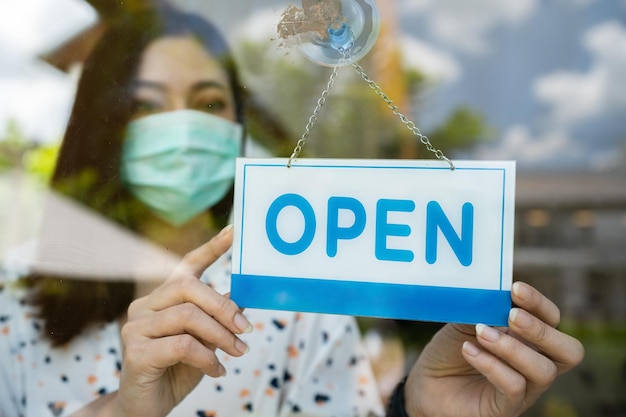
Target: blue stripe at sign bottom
[{"x": 406, "y": 302}]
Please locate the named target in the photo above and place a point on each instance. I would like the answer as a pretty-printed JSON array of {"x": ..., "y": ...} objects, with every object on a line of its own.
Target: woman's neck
[{"x": 180, "y": 239}]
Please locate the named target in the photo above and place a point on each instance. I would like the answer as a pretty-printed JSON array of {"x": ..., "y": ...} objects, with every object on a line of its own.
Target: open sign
[{"x": 396, "y": 239}]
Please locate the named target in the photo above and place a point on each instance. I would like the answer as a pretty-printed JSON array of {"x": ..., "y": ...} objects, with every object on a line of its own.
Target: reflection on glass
[{"x": 477, "y": 81}]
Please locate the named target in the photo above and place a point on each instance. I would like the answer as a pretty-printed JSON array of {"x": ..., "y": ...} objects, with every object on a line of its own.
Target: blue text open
[{"x": 399, "y": 239}]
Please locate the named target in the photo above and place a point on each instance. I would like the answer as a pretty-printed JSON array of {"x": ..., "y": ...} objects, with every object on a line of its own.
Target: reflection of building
[{"x": 571, "y": 241}]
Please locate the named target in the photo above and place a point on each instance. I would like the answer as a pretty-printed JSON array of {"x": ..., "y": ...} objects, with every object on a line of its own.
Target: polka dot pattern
[{"x": 298, "y": 364}]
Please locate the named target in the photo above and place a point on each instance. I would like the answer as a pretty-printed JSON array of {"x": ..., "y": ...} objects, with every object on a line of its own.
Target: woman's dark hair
[
  {"x": 104, "y": 102},
  {"x": 88, "y": 166}
]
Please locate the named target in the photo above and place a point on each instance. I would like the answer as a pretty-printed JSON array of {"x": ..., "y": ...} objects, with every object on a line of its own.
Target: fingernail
[
  {"x": 470, "y": 349},
  {"x": 225, "y": 230},
  {"x": 521, "y": 291},
  {"x": 241, "y": 346},
  {"x": 221, "y": 370},
  {"x": 488, "y": 333},
  {"x": 242, "y": 323},
  {"x": 520, "y": 318}
]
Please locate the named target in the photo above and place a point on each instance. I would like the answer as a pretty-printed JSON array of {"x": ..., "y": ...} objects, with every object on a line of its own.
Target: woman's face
[{"x": 177, "y": 73}]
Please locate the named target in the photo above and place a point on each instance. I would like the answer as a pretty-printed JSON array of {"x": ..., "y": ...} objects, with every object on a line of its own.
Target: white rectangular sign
[{"x": 380, "y": 238}]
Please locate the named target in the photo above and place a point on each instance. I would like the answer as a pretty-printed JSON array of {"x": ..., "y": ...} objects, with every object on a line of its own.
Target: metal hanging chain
[
  {"x": 307, "y": 130},
  {"x": 396, "y": 110},
  {"x": 390, "y": 104}
]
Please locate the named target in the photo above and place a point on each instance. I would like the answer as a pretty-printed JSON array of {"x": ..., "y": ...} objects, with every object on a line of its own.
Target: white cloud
[
  {"x": 34, "y": 94},
  {"x": 520, "y": 144},
  {"x": 607, "y": 43},
  {"x": 574, "y": 97},
  {"x": 571, "y": 97},
  {"x": 434, "y": 63},
  {"x": 609, "y": 160},
  {"x": 578, "y": 3},
  {"x": 465, "y": 25},
  {"x": 34, "y": 25},
  {"x": 260, "y": 25},
  {"x": 38, "y": 100}
]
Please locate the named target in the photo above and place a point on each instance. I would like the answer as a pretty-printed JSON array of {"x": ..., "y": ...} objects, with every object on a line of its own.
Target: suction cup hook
[{"x": 347, "y": 33}]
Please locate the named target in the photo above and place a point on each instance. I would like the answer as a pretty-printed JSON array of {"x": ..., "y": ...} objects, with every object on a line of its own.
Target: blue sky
[{"x": 549, "y": 75}]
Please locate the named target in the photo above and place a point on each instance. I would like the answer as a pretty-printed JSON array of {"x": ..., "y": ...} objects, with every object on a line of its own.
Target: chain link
[
  {"x": 307, "y": 129},
  {"x": 405, "y": 120},
  {"x": 390, "y": 104}
]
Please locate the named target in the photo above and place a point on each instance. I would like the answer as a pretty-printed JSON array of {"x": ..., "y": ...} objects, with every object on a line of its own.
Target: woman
[
  {"x": 162, "y": 83},
  {"x": 159, "y": 87}
]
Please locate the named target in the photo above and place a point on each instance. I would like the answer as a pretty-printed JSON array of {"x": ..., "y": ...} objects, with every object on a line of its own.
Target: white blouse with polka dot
[{"x": 299, "y": 364}]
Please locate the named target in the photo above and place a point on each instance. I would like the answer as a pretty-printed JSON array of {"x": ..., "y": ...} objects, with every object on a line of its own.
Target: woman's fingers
[
  {"x": 183, "y": 286},
  {"x": 188, "y": 289},
  {"x": 538, "y": 369},
  {"x": 169, "y": 351},
  {"x": 535, "y": 349},
  {"x": 187, "y": 318},
  {"x": 532, "y": 348},
  {"x": 564, "y": 350},
  {"x": 522, "y": 361},
  {"x": 509, "y": 385},
  {"x": 195, "y": 262},
  {"x": 517, "y": 372},
  {"x": 531, "y": 300},
  {"x": 535, "y": 321}
]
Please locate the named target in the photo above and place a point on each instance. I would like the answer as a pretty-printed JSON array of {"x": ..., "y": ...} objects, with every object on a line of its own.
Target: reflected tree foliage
[{"x": 354, "y": 122}]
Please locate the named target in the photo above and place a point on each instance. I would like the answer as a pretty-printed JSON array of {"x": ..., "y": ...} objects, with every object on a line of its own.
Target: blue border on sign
[
  {"x": 243, "y": 194},
  {"x": 383, "y": 300}
]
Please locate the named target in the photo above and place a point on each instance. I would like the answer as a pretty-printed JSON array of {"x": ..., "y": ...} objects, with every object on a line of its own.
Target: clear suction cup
[{"x": 334, "y": 32}]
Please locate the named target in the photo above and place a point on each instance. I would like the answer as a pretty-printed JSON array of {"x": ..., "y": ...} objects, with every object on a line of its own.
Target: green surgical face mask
[{"x": 180, "y": 163}]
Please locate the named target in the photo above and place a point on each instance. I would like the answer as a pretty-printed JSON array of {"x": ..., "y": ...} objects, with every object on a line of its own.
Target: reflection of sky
[
  {"x": 550, "y": 76},
  {"x": 31, "y": 92}
]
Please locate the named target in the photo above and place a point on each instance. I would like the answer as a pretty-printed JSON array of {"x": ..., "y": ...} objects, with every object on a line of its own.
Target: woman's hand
[
  {"x": 171, "y": 335},
  {"x": 488, "y": 372}
]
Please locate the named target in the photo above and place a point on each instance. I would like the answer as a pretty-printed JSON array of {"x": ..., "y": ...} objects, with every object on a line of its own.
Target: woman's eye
[
  {"x": 212, "y": 106},
  {"x": 145, "y": 107}
]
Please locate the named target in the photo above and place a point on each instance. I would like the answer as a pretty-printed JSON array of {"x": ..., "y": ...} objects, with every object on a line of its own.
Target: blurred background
[{"x": 539, "y": 82}]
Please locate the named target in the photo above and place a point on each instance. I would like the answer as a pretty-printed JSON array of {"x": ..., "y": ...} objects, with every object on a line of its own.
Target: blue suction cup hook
[
  {"x": 341, "y": 38},
  {"x": 351, "y": 33}
]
